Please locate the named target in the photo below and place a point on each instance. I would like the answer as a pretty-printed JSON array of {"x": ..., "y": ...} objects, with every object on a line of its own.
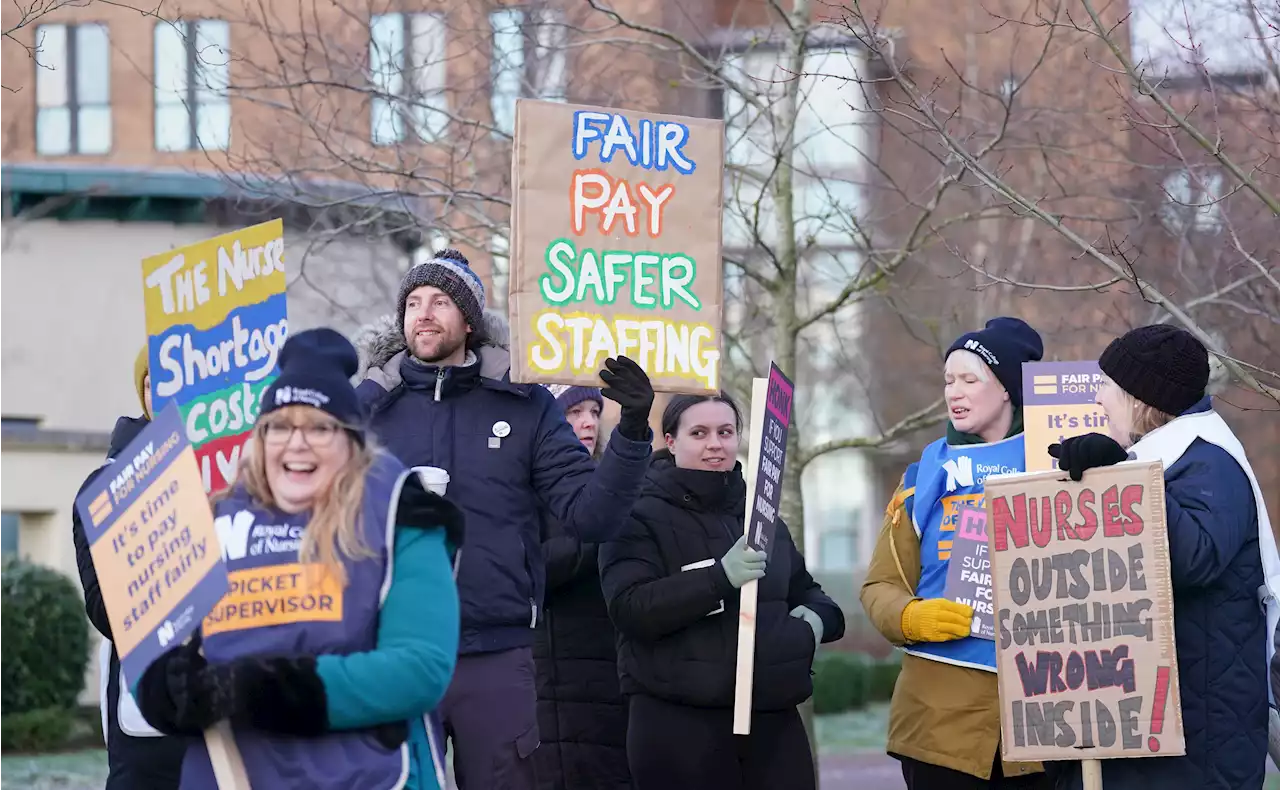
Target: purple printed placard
[
  {"x": 1060, "y": 383},
  {"x": 773, "y": 458},
  {"x": 1059, "y": 401},
  {"x": 154, "y": 544},
  {"x": 969, "y": 571}
]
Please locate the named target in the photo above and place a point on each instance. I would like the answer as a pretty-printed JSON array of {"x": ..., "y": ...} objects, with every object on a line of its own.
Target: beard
[{"x": 434, "y": 349}]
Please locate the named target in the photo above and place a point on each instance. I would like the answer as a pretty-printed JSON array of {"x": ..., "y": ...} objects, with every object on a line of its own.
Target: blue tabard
[
  {"x": 946, "y": 478},
  {"x": 278, "y": 606}
]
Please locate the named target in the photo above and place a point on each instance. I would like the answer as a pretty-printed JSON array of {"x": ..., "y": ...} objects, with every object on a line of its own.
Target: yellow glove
[{"x": 936, "y": 620}]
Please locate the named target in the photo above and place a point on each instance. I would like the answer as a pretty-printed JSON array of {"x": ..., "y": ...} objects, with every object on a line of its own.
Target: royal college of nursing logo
[
  {"x": 233, "y": 534},
  {"x": 308, "y": 397},
  {"x": 982, "y": 351},
  {"x": 959, "y": 472}
]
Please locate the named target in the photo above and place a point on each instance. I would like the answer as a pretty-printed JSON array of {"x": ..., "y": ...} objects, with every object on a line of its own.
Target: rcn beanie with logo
[
  {"x": 1004, "y": 344},
  {"x": 1163, "y": 366},
  {"x": 316, "y": 367}
]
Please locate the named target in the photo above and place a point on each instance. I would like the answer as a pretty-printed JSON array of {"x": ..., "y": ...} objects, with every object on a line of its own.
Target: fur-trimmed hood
[{"x": 381, "y": 346}]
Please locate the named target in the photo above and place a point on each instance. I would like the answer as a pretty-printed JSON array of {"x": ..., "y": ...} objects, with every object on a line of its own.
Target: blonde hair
[
  {"x": 968, "y": 362},
  {"x": 337, "y": 518},
  {"x": 1145, "y": 418}
]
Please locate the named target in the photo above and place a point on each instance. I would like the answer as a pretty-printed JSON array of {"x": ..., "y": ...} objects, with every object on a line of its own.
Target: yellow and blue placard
[
  {"x": 154, "y": 546},
  {"x": 216, "y": 319}
]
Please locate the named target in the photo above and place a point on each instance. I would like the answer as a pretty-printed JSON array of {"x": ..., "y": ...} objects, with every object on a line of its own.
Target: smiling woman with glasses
[{"x": 340, "y": 631}]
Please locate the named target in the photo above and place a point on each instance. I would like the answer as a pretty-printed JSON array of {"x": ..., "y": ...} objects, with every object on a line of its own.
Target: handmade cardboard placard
[
  {"x": 615, "y": 226},
  {"x": 1085, "y": 650},
  {"x": 1059, "y": 401},
  {"x": 216, "y": 320}
]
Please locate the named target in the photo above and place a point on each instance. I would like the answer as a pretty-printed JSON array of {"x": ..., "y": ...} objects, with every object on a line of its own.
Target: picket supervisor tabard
[{"x": 1084, "y": 615}]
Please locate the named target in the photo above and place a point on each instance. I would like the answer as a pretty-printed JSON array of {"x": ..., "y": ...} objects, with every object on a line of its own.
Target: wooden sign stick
[
  {"x": 228, "y": 765},
  {"x": 1091, "y": 772},
  {"x": 745, "y": 679}
]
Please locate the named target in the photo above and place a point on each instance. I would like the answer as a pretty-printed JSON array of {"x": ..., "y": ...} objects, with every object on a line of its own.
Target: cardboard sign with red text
[{"x": 1084, "y": 615}]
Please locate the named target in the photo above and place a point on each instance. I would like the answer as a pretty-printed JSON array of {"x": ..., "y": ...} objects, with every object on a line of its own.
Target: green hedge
[
  {"x": 45, "y": 649},
  {"x": 41, "y": 730},
  {"x": 848, "y": 681}
]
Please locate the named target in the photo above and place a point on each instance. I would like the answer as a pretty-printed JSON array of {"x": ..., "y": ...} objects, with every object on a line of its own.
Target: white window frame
[
  {"x": 412, "y": 94},
  {"x": 527, "y": 59},
  {"x": 200, "y": 91},
  {"x": 1193, "y": 201},
  {"x": 61, "y": 70}
]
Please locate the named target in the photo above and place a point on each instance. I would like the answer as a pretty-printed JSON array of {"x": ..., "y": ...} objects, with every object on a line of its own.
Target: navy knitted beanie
[
  {"x": 316, "y": 367},
  {"x": 1004, "y": 344},
  {"x": 1163, "y": 366}
]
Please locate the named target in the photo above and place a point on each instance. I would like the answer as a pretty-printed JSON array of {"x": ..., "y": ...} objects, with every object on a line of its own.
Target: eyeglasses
[{"x": 315, "y": 434}]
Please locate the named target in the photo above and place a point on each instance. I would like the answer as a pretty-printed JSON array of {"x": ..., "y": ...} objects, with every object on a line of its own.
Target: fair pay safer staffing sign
[
  {"x": 216, "y": 320},
  {"x": 151, "y": 534},
  {"x": 616, "y": 245}
]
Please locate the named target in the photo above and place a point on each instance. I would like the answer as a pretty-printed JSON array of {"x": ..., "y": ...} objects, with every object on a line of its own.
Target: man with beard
[{"x": 439, "y": 393}]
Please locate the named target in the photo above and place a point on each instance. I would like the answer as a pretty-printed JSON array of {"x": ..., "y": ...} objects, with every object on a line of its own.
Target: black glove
[
  {"x": 279, "y": 695},
  {"x": 419, "y": 507},
  {"x": 180, "y": 694},
  {"x": 626, "y": 383},
  {"x": 1079, "y": 454}
]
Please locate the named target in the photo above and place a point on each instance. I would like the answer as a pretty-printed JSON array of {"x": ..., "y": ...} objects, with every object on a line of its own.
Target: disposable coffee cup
[{"x": 434, "y": 479}]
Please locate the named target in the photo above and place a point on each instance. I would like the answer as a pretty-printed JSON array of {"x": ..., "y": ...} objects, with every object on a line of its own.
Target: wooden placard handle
[
  {"x": 744, "y": 680},
  {"x": 228, "y": 765},
  {"x": 1091, "y": 773}
]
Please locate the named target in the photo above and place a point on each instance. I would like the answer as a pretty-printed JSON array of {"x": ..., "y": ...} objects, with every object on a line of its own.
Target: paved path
[{"x": 864, "y": 771}]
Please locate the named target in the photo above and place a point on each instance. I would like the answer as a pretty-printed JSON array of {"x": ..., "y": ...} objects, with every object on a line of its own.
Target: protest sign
[
  {"x": 1058, "y": 402},
  {"x": 1084, "y": 615},
  {"x": 771, "y": 401},
  {"x": 151, "y": 534},
  {"x": 772, "y": 440},
  {"x": 615, "y": 226},
  {"x": 969, "y": 571},
  {"x": 216, "y": 320}
]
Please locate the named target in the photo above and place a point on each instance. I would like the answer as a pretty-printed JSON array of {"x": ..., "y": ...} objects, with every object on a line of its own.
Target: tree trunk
[{"x": 785, "y": 312}]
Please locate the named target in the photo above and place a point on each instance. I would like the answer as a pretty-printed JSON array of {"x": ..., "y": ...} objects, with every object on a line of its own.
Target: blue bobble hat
[
  {"x": 568, "y": 396},
  {"x": 1004, "y": 344},
  {"x": 449, "y": 271},
  {"x": 316, "y": 367}
]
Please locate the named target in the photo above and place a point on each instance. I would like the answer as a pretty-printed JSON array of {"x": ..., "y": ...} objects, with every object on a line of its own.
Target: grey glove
[
  {"x": 742, "y": 564},
  {"x": 811, "y": 617}
]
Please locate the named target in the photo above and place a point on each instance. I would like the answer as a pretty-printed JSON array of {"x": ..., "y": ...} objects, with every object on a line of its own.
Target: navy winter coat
[
  {"x": 508, "y": 450},
  {"x": 1220, "y": 630},
  {"x": 582, "y": 715}
]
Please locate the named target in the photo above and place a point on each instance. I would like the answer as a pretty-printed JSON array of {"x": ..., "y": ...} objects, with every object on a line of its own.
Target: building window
[
  {"x": 500, "y": 250},
  {"x": 73, "y": 89},
  {"x": 1193, "y": 201},
  {"x": 192, "y": 71},
  {"x": 831, "y": 138},
  {"x": 10, "y": 526},
  {"x": 409, "y": 80},
  {"x": 838, "y": 549},
  {"x": 528, "y": 60}
]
